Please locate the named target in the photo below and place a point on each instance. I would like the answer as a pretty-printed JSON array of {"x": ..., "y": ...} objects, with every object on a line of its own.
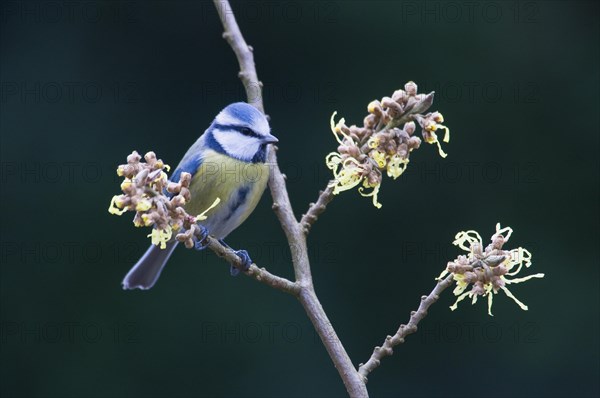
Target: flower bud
[
  {"x": 137, "y": 220},
  {"x": 150, "y": 157},
  {"x": 414, "y": 143},
  {"x": 400, "y": 96},
  {"x": 494, "y": 260},
  {"x": 185, "y": 179},
  {"x": 423, "y": 103},
  {"x": 390, "y": 147},
  {"x": 438, "y": 117},
  {"x": 470, "y": 277},
  {"x": 410, "y": 104},
  {"x": 371, "y": 121},
  {"x": 127, "y": 171},
  {"x": 394, "y": 109},
  {"x": 147, "y": 219},
  {"x": 375, "y": 107},
  {"x": 402, "y": 151},
  {"x": 500, "y": 270},
  {"x": 411, "y": 88},
  {"x": 353, "y": 151},
  {"x": 477, "y": 249},
  {"x": 498, "y": 283},
  {"x": 140, "y": 178},
  {"x": 374, "y": 178},
  {"x": 497, "y": 242},
  {"x": 428, "y": 137},
  {"x": 173, "y": 187},
  {"x": 126, "y": 184},
  {"x": 178, "y": 200},
  {"x": 120, "y": 201},
  {"x": 134, "y": 157},
  {"x": 386, "y": 102},
  {"x": 478, "y": 288},
  {"x": 189, "y": 243},
  {"x": 357, "y": 131}
]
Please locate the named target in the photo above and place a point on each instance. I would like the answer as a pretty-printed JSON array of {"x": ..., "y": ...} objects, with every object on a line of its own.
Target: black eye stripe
[
  {"x": 247, "y": 131},
  {"x": 240, "y": 129}
]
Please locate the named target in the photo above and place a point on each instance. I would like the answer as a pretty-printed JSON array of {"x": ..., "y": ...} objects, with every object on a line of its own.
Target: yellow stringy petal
[
  {"x": 465, "y": 237},
  {"x": 160, "y": 237},
  {"x": 509, "y": 294},
  {"x": 526, "y": 278},
  {"x": 114, "y": 207},
  {"x": 458, "y": 300},
  {"x": 203, "y": 216},
  {"x": 373, "y": 193}
]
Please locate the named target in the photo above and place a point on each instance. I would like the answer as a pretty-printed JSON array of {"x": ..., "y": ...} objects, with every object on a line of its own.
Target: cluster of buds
[
  {"x": 487, "y": 270},
  {"x": 384, "y": 142},
  {"x": 157, "y": 202}
]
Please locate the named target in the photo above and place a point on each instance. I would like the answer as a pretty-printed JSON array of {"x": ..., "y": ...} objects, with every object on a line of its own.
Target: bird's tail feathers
[{"x": 144, "y": 274}]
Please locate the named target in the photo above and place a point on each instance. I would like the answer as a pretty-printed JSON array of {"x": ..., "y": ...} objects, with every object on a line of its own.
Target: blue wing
[{"x": 191, "y": 161}]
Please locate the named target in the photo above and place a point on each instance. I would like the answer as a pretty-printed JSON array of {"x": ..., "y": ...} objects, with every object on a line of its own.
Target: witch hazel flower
[
  {"x": 487, "y": 270},
  {"x": 384, "y": 143},
  {"x": 158, "y": 202}
]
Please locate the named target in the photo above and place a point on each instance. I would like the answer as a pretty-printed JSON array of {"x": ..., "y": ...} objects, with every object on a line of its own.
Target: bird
[{"x": 227, "y": 162}]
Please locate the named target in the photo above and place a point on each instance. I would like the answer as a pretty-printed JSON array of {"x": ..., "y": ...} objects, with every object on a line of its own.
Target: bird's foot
[
  {"x": 200, "y": 242},
  {"x": 246, "y": 262},
  {"x": 243, "y": 255}
]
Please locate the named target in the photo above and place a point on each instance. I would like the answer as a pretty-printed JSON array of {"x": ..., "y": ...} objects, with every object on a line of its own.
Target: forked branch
[{"x": 293, "y": 229}]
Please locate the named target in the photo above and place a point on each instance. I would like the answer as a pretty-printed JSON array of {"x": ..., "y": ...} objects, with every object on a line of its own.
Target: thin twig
[
  {"x": 260, "y": 274},
  {"x": 315, "y": 209},
  {"x": 283, "y": 209},
  {"x": 243, "y": 53},
  {"x": 415, "y": 317}
]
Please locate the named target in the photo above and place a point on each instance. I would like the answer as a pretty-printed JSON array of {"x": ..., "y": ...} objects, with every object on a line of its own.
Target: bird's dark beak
[{"x": 270, "y": 139}]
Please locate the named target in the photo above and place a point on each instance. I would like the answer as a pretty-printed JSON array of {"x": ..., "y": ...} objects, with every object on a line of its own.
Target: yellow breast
[{"x": 223, "y": 177}]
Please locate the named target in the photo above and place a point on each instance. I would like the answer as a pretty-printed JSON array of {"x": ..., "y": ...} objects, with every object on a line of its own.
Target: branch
[
  {"x": 243, "y": 53},
  {"x": 293, "y": 232},
  {"x": 260, "y": 274},
  {"x": 404, "y": 330},
  {"x": 281, "y": 201},
  {"x": 316, "y": 209},
  {"x": 283, "y": 209}
]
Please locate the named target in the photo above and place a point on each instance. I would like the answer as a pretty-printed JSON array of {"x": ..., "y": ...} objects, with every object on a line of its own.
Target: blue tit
[{"x": 227, "y": 162}]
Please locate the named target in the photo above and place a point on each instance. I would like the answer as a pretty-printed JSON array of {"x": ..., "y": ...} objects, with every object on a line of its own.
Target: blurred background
[{"x": 85, "y": 83}]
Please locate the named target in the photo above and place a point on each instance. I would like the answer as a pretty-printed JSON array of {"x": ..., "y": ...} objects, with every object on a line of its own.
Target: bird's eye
[{"x": 246, "y": 131}]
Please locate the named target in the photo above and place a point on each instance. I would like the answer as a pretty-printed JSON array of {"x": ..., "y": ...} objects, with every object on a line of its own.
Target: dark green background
[{"x": 518, "y": 85}]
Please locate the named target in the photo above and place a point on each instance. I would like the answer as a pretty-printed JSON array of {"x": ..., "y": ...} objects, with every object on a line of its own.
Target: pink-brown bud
[{"x": 411, "y": 88}]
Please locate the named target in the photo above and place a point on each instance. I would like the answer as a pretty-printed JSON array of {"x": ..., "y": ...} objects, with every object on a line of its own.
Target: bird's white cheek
[{"x": 238, "y": 145}]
